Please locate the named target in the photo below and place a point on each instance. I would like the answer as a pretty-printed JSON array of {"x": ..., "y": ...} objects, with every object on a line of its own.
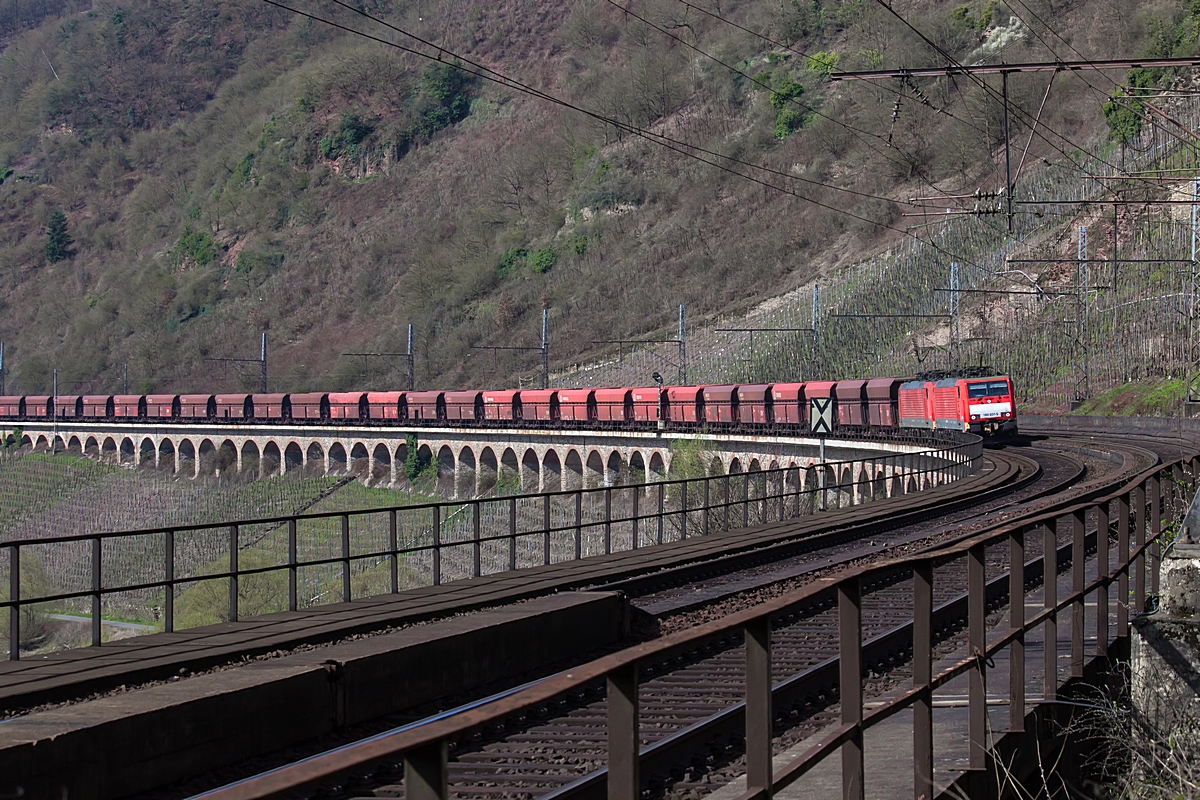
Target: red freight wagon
[
  {"x": 816, "y": 390},
  {"x": 649, "y": 404},
  {"x": 271, "y": 406},
  {"x": 948, "y": 406},
  {"x": 68, "y": 406},
  {"x": 882, "y": 397},
  {"x": 129, "y": 405},
  {"x": 614, "y": 405},
  {"x": 12, "y": 406},
  {"x": 234, "y": 406},
  {"x": 464, "y": 406},
  {"x": 851, "y": 399},
  {"x": 502, "y": 405},
  {"x": 686, "y": 403},
  {"x": 39, "y": 405},
  {"x": 380, "y": 405},
  {"x": 310, "y": 405},
  {"x": 194, "y": 406},
  {"x": 539, "y": 405},
  {"x": 577, "y": 405},
  {"x": 756, "y": 404},
  {"x": 720, "y": 404},
  {"x": 348, "y": 405},
  {"x": 98, "y": 406},
  {"x": 162, "y": 406},
  {"x": 427, "y": 405},
  {"x": 789, "y": 404}
]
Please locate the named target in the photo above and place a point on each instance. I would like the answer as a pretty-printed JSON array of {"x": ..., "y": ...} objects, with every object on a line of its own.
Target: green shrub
[
  {"x": 789, "y": 117},
  {"x": 511, "y": 261},
  {"x": 822, "y": 63},
  {"x": 348, "y": 138},
  {"x": 543, "y": 259},
  {"x": 197, "y": 246},
  {"x": 580, "y": 245},
  {"x": 414, "y": 463}
]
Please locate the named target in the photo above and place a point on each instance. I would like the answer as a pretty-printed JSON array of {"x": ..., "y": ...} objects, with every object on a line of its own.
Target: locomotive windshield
[{"x": 987, "y": 389}]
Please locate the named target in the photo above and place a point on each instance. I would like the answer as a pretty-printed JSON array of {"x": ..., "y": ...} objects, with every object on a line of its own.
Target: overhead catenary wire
[
  {"x": 990, "y": 90},
  {"x": 794, "y": 101},
  {"x": 678, "y": 146}
]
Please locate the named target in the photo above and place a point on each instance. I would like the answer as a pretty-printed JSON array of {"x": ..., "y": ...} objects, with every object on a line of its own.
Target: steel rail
[
  {"x": 950, "y": 463},
  {"x": 425, "y": 749}
]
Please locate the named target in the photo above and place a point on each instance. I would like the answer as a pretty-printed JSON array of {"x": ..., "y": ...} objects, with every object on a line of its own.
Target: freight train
[{"x": 980, "y": 405}]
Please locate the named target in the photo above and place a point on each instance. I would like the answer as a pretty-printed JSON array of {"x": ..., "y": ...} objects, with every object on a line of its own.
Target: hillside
[{"x": 227, "y": 168}]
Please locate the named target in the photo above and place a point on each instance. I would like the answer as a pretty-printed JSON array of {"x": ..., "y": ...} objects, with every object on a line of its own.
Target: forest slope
[{"x": 226, "y": 168}]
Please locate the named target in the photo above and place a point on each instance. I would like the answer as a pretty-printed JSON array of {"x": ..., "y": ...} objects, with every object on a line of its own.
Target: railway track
[{"x": 691, "y": 704}]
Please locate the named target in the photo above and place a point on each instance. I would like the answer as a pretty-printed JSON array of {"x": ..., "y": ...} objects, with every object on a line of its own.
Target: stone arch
[
  {"x": 251, "y": 458},
  {"x": 658, "y": 467},
  {"x": 61, "y": 447},
  {"x": 207, "y": 455},
  {"x": 445, "y": 470},
  {"x": 43, "y": 443},
  {"x": 614, "y": 470},
  {"x": 186, "y": 456},
  {"x": 791, "y": 488},
  {"x": 91, "y": 447},
  {"x": 315, "y": 456},
  {"x": 381, "y": 464},
  {"x": 509, "y": 481},
  {"x": 128, "y": 451},
  {"x": 846, "y": 487},
  {"x": 531, "y": 472},
  {"x": 897, "y": 485},
  {"x": 487, "y": 472},
  {"x": 26, "y": 441},
  {"x": 272, "y": 460},
  {"x": 74, "y": 445},
  {"x": 166, "y": 456},
  {"x": 337, "y": 458},
  {"x": 466, "y": 476},
  {"x": 637, "y": 468},
  {"x": 551, "y": 472},
  {"x": 863, "y": 489},
  {"x": 594, "y": 470},
  {"x": 293, "y": 457},
  {"x": 573, "y": 464},
  {"x": 735, "y": 466},
  {"x": 879, "y": 485},
  {"x": 360, "y": 461}
]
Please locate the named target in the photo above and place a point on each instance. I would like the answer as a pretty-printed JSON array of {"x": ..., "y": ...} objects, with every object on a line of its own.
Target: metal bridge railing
[
  {"x": 1132, "y": 518},
  {"x": 297, "y": 561}
]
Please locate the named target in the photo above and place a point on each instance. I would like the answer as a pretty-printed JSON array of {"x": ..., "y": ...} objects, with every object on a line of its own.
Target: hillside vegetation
[{"x": 228, "y": 168}]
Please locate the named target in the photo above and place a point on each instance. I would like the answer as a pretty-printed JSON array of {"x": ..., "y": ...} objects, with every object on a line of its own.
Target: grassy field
[{"x": 1146, "y": 398}]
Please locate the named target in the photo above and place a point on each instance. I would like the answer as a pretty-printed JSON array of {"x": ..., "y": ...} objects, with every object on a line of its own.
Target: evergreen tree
[{"x": 58, "y": 243}]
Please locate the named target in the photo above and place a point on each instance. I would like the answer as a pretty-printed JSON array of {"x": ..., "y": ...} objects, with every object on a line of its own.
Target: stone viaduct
[{"x": 468, "y": 461}]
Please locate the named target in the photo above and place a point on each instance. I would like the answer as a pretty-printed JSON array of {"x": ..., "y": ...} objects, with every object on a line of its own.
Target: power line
[
  {"x": 955, "y": 68},
  {"x": 486, "y": 73},
  {"x": 861, "y": 135},
  {"x": 795, "y": 101},
  {"x": 970, "y": 72}
]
